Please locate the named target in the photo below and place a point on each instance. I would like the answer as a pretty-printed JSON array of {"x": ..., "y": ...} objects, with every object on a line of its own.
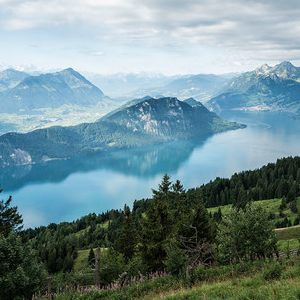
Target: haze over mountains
[
  {"x": 272, "y": 88},
  {"x": 9, "y": 78},
  {"x": 21, "y": 92},
  {"x": 145, "y": 120},
  {"x": 128, "y": 86},
  {"x": 149, "y": 121}
]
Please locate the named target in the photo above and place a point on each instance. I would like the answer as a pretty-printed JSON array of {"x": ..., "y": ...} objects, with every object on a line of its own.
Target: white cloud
[{"x": 267, "y": 29}]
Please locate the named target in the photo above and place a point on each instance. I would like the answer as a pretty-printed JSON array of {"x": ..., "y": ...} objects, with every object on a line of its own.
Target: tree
[
  {"x": 293, "y": 206},
  {"x": 91, "y": 258},
  {"x": 297, "y": 221},
  {"x": 126, "y": 242},
  {"x": 246, "y": 235},
  {"x": 242, "y": 199},
  {"x": 218, "y": 215},
  {"x": 176, "y": 259},
  {"x": 20, "y": 272},
  {"x": 291, "y": 195},
  {"x": 111, "y": 267},
  {"x": 196, "y": 236},
  {"x": 156, "y": 227},
  {"x": 283, "y": 204},
  {"x": 10, "y": 219}
]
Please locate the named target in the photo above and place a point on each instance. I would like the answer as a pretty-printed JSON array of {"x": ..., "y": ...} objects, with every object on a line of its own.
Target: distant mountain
[
  {"x": 285, "y": 70},
  {"x": 192, "y": 102},
  {"x": 266, "y": 88},
  {"x": 128, "y": 86},
  {"x": 201, "y": 87},
  {"x": 147, "y": 122},
  {"x": 51, "y": 90},
  {"x": 125, "y": 85},
  {"x": 9, "y": 78}
]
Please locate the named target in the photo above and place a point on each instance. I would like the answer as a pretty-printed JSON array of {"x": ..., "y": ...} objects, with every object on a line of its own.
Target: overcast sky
[{"x": 165, "y": 36}]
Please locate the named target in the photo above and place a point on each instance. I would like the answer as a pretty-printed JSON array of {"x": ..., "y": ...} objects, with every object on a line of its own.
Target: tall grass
[{"x": 256, "y": 280}]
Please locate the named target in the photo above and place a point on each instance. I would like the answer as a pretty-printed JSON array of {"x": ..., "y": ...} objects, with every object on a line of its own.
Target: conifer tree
[
  {"x": 10, "y": 219},
  {"x": 91, "y": 258},
  {"x": 156, "y": 227},
  {"x": 127, "y": 240}
]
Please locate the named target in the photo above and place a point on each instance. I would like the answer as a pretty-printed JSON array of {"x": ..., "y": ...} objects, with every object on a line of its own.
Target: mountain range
[
  {"x": 128, "y": 86},
  {"x": 9, "y": 78},
  {"x": 21, "y": 92},
  {"x": 266, "y": 88},
  {"x": 146, "y": 121},
  {"x": 202, "y": 87}
]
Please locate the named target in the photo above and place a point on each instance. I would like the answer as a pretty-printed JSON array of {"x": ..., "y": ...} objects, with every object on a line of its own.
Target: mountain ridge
[
  {"x": 265, "y": 88},
  {"x": 51, "y": 90},
  {"x": 148, "y": 122}
]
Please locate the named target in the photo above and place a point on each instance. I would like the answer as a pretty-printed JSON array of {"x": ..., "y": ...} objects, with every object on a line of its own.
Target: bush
[
  {"x": 273, "y": 271},
  {"x": 176, "y": 260}
]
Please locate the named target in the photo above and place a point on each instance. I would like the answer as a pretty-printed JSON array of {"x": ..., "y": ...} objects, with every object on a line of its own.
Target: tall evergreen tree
[
  {"x": 91, "y": 258},
  {"x": 10, "y": 219},
  {"x": 126, "y": 242},
  {"x": 156, "y": 227}
]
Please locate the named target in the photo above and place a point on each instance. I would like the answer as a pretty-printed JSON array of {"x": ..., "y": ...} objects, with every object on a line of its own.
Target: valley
[{"x": 149, "y": 150}]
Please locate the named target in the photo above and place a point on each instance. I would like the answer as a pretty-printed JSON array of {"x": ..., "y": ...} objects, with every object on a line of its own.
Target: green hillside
[
  {"x": 273, "y": 208},
  {"x": 287, "y": 237}
]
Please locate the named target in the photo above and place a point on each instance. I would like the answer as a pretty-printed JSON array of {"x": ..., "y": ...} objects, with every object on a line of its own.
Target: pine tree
[
  {"x": 293, "y": 206},
  {"x": 156, "y": 227},
  {"x": 196, "y": 237},
  {"x": 10, "y": 219},
  {"x": 178, "y": 187},
  {"x": 126, "y": 242},
  {"x": 91, "y": 258}
]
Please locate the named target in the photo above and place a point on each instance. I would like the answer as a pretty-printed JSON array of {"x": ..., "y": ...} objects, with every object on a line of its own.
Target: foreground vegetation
[
  {"x": 176, "y": 240},
  {"x": 256, "y": 280}
]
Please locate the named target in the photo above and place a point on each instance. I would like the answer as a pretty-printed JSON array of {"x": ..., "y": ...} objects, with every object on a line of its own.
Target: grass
[
  {"x": 271, "y": 206},
  {"x": 247, "y": 281},
  {"x": 284, "y": 245},
  {"x": 247, "y": 288},
  {"x": 81, "y": 261},
  {"x": 288, "y": 233},
  {"x": 85, "y": 230}
]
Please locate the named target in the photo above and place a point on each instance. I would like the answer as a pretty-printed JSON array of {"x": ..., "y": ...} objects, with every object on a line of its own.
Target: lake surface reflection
[{"x": 65, "y": 190}]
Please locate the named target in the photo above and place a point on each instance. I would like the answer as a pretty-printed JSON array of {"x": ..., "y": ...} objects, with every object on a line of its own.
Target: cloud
[{"x": 270, "y": 29}]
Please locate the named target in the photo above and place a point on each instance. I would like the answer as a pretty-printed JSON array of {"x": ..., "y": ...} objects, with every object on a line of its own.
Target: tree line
[{"x": 171, "y": 231}]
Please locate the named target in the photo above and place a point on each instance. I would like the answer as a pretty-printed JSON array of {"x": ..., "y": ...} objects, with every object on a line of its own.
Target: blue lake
[{"x": 66, "y": 190}]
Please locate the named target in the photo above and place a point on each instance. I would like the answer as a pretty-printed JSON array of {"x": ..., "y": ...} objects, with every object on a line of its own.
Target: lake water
[{"x": 67, "y": 190}]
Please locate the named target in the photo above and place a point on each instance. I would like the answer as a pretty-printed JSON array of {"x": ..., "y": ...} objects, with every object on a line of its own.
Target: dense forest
[{"x": 170, "y": 232}]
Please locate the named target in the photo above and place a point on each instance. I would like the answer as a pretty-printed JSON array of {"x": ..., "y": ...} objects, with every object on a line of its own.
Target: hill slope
[{"x": 147, "y": 122}]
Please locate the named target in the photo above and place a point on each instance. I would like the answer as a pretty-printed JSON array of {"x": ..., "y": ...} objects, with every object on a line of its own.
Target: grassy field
[
  {"x": 256, "y": 280},
  {"x": 81, "y": 262},
  {"x": 247, "y": 288},
  {"x": 271, "y": 205},
  {"x": 288, "y": 233}
]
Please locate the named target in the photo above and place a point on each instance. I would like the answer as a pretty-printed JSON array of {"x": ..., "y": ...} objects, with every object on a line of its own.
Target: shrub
[
  {"x": 176, "y": 260},
  {"x": 273, "y": 271}
]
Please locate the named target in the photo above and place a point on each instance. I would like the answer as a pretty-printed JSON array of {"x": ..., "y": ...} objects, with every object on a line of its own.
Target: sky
[{"x": 157, "y": 36}]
